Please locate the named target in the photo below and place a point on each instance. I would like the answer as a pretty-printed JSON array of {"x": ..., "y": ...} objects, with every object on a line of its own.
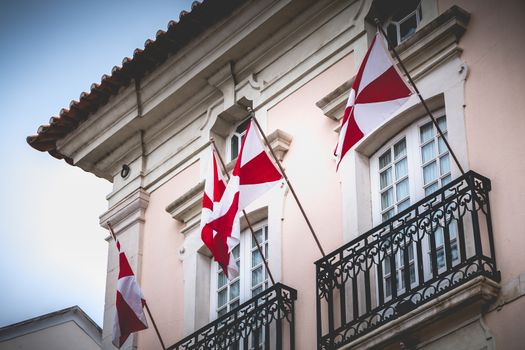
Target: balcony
[
  {"x": 264, "y": 322},
  {"x": 427, "y": 255}
]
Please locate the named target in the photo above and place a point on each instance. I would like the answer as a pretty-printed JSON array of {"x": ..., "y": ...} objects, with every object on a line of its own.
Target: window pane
[
  {"x": 444, "y": 164},
  {"x": 387, "y": 199},
  {"x": 386, "y": 266},
  {"x": 454, "y": 252},
  {"x": 439, "y": 237},
  {"x": 403, "y": 205},
  {"x": 388, "y": 215},
  {"x": 222, "y": 312},
  {"x": 221, "y": 279},
  {"x": 446, "y": 180},
  {"x": 234, "y": 143},
  {"x": 392, "y": 33},
  {"x": 442, "y": 148},
  {"x": 426, "y": 132},
  {"x": 402, "y": 190},
  {"x": 430, "y": 173},
  {"x": 385, "y": 159},
  {"x": 235, "y": 252},
  {"x": 400, "y": 149},
  {"x": 242, "y": 127},
  {"x": 234, "y": 290},
  {"x": 257, "y": 290},
  {"x": 442, "y": 122},
  {"x": 385, "y": 178},
  {"x": 440, "y": 258},
  {"x": 388, "y": 286},
  {"x": 408, "y": 27},
  {"x": 222, "y": 297},
  {"x": 256, "y": 258},
  {"x": 412, "y": 273},
  {"x": 453, "y": 230},
  {"x": 427, "y": 152},
  {"x": 257, "y": 276},
  {"x": 411, "y": 253},
  {"x": 401, "y": 169},
  {"x": 431, "y": 189},
  {"x": 259, "y": 236},
  {"x": 234, "y": 304}
]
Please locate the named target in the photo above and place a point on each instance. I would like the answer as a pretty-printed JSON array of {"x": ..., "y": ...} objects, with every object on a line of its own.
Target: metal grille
[
  {"x": 350, "y": 281},
  {"x": 270, "y": 313}
]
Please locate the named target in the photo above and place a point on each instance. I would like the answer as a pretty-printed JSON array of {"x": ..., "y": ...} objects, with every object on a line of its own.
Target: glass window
[
  {"x": 435, "y": 158},
  {"x": 253, "y": 277},
  {"x": 416, "y": 162},
  {"x": 404, "y": 20},
  {"x": 393, "y": 179},
  {"x": 236, "y": 139}
]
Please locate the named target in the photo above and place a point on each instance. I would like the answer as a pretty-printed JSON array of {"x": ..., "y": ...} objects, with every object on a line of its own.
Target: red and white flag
[
  {"x": 253, "y": 175},
  {"x": 377, "y": 92},
  {"x": 213, "y": 190},
  {"x": 129, "y": 316}
]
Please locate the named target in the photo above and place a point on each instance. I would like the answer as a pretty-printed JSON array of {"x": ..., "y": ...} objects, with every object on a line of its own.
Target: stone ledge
[
  {"x": 126, "y": 212},
  {"x": 187, "y": 207},
  {"x": 428, "y": 48},
  {"x": 333, "y": 104},
  {"x": 480, "y": 291}
]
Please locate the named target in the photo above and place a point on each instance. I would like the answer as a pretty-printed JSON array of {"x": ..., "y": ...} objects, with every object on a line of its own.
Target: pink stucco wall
[
  {"x": 162, "y": 277},
  {"x": 494, "y": 50},
  {"x": 311, "y": 169}
]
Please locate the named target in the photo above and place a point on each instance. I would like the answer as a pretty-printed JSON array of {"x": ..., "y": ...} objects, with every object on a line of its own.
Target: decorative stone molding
[
  {"x": 280, "y": 142},
  {"x": 434, "y": 43},
  {"x": 187, "y": 208},
  {"x": 126, "y": 212},
  {"x": 472, "y": 296},
  {"x": 428, "y": 48},
  {"x": 333, "y": 104}
]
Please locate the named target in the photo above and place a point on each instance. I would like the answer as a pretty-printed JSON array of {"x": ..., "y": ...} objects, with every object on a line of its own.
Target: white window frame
[
  {"x": 418, "y": 12},
  {"x": 233, "y": 134},
  {"x": 245, "y": 288},
  {"x": 411, "y": 134}
]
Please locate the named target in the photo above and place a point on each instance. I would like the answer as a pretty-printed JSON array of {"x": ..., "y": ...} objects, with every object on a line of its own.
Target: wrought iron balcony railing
[
  {"x": 426, "y": 250},
  {"x": 264, "y": 322}
]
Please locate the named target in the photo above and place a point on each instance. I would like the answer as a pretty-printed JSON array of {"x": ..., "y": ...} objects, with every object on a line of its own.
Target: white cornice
[{"x": 127, "y": 212}]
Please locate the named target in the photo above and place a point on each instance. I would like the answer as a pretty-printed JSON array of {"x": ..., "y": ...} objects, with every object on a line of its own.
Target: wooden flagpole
[
  {"x": 145, "y": 303},
  {"x": 402, "y": 65},
  {"x": 287, "y": 181},
  {"x": 245, "y": 216}
]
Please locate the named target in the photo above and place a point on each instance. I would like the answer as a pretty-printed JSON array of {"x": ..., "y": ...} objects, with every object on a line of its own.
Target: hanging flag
[
  {"x": 253, "y": 175},
  {"x": 129, "y": 316},
  {"x": 377, "y": 92},
  {"x": 213, "y": 190}
]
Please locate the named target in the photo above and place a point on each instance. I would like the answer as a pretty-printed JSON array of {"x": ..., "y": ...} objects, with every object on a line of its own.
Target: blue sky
[{"x": 53, "y": 253}]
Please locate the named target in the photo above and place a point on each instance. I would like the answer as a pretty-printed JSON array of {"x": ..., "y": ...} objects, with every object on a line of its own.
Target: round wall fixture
[{"x": 125, "y": 171}]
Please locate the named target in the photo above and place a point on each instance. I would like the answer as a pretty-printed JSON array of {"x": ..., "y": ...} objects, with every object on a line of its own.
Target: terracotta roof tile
[{"x": 156, "y": 51}]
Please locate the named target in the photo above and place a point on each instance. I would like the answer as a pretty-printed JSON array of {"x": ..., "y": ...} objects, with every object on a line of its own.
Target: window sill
[{"x": 460, "y": 303}]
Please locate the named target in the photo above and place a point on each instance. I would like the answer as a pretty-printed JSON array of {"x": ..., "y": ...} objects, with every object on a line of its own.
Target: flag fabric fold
[
  {"x": 129, "y": 315},
  {"x": 253, "y": 175},
  {"x": 377, "y": 92},
  {"x": 214, "y": 186}
]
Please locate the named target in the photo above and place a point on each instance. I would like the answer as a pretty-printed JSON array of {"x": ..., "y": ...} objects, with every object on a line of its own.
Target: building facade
[
  {"x": 59, "y": 330},
  {"x": 418, "y": 253}
]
